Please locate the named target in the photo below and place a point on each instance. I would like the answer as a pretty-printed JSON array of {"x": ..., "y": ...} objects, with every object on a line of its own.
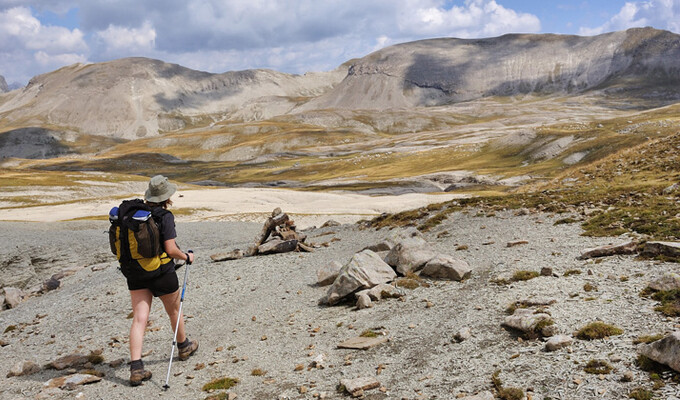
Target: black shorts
[{"x": 163, "y": 284}]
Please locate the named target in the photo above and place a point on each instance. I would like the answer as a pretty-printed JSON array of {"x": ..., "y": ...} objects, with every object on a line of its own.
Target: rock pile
[
  {"x": 368, "y": 274},
  {"x": 278, "y": 235}
]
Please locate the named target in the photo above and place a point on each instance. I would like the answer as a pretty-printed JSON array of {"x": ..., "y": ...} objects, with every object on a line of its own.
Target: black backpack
[{"x": 134, "y": 237}]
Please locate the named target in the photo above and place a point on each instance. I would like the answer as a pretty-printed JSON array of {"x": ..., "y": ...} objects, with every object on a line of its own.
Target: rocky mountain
[
  {"x": 137, "y": 97},
  {"x": 3, "y": 85},
  {"x": 440, "y": 71}
]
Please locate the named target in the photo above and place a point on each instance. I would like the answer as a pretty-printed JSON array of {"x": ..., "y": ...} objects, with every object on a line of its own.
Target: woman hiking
[{"x": 153, "y": 280}]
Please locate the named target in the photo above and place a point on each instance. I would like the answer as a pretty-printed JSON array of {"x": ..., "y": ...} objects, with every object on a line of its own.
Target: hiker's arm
[{"x": 173, "y": 251}]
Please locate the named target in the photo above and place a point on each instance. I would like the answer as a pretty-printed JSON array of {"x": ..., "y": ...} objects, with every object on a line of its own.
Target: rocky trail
[{"x": 259, "y": 321}]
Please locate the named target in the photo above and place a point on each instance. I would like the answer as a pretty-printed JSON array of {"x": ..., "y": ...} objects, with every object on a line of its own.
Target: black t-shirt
[{"x": 167, "y": 231}]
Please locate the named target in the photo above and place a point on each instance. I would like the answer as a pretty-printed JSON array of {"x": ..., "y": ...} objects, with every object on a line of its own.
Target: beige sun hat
[{"x": 160, "y": 189}]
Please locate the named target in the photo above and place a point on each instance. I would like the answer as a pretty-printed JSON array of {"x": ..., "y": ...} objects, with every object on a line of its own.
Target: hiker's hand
[{"x": 190, "y": 257}]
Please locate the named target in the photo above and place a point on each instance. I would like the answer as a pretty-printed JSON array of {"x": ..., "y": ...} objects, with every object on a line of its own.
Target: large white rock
[
  {"x": 446, "y": 267},
  {"x": 410, "y": 255},
  {"x": 527, "y": 321},
  {"x": 668, "y": 281},
  {"x": 364, "y": 271},
  {"x": 664, "y": 351}
]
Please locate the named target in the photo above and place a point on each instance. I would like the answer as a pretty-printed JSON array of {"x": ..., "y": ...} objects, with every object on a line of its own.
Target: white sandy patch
[{"x": 246, "y": 204}]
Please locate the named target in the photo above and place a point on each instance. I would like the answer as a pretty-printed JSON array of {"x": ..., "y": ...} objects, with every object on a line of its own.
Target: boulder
[
  {"x": 609, "y": 250},
  {"x": 410, "y": 255},
  {"x": 669, "y": 249},
  {"x": 71, "y": 382},
  {"x": 13, "y": 296},
  {"x": 277, "y": 246},
  {"x": 23, "y": 368},
  {"x": 446, "y": 267},
  {"x": 669, "y": 281},
  {"x": 326, "y": 274},
  {"x": 530, "y": 322},
  {"x": 665, "y": 351},
  {"x": 557, "y": 342},
  {"x": 364, "y": 271}
]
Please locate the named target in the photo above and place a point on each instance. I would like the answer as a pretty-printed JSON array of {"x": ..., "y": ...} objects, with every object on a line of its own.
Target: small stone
[
  {"x": 462, "y": 335},
  {"x": 546, "y": 271},
  {"x": 70, "y": 382},
  {"x": 353, "y": 386},
  {"x": 557, "y": 342},
  {"x": 517, "y": 243},
  {"x": 116, "y": 363},
  {"x": 299, "y": 367},
  {"x": 303, "y": 389},
  {"x": 13, "y": 296},
  {"x": 362, "y": 343},
  {"x": 364, "y": 301},
  {"x": 23, "y": 368},
  {"x": 51, "y": 284},
  {"x": 627, "y": 376},
  {"x": 263, "y": 338}
]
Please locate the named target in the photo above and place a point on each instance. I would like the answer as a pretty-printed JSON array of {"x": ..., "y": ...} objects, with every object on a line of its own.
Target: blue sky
[{"x": 296, "y": 36}]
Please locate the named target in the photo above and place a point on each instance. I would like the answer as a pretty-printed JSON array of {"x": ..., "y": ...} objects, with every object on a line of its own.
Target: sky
[{"x": 294, "y": 36}]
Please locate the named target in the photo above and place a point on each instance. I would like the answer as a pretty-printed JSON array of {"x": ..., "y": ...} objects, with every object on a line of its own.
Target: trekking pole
[{"x": 179, "y": 316}]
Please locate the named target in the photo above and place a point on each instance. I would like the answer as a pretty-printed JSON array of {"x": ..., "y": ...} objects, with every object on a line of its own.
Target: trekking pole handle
[{"x": 187, "y": 254}]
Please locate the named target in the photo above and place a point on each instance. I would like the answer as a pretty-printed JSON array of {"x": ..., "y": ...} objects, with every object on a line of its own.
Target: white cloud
[
  {"x": 476, "y": 18},
  {"x": 661, "y": 14},
  {"x": 29, "y": 48},
  {"x": 119, "y": 41}
]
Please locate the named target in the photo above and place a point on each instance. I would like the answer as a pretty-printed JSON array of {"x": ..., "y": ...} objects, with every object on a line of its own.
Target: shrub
[
  {"x": 598, "y": 367},
  {"x": 647, "y": 339},
  {"x": 572, "y": 272},
  {"x": 258, "y": 372},
  {"x": 589, "y": 288},
  {"x": 598, "y": 330},
  {"x": 220, "y": 383},
  {"x": 641, "y": 394},
  {"x": 524, "y": 275},
  {"x": 503, "y": 392}
]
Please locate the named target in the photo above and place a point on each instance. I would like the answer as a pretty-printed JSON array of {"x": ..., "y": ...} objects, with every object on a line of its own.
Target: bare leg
[
  {"x": 171, "y": 304},
  {"x": 141, "y": 306}
]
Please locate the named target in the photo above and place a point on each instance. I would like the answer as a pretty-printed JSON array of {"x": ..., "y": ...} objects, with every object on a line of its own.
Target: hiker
[{"x": 156, "y": 277}]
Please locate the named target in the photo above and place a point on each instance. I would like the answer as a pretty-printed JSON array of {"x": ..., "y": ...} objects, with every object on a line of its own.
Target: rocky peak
[{"x": 3, "y": 85}]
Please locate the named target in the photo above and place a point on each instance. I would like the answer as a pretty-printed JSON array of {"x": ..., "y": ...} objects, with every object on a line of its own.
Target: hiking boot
[
  {"x": 188, "y": 350},
  {"x": 139, "y": 375}
]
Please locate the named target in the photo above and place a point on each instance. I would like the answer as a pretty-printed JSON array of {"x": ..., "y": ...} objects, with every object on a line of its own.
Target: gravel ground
[{"x": 262, "y": 313}]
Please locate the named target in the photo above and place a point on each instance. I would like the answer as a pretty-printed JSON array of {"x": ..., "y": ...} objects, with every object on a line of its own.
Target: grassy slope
[{"x": 623, "y": 192}]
